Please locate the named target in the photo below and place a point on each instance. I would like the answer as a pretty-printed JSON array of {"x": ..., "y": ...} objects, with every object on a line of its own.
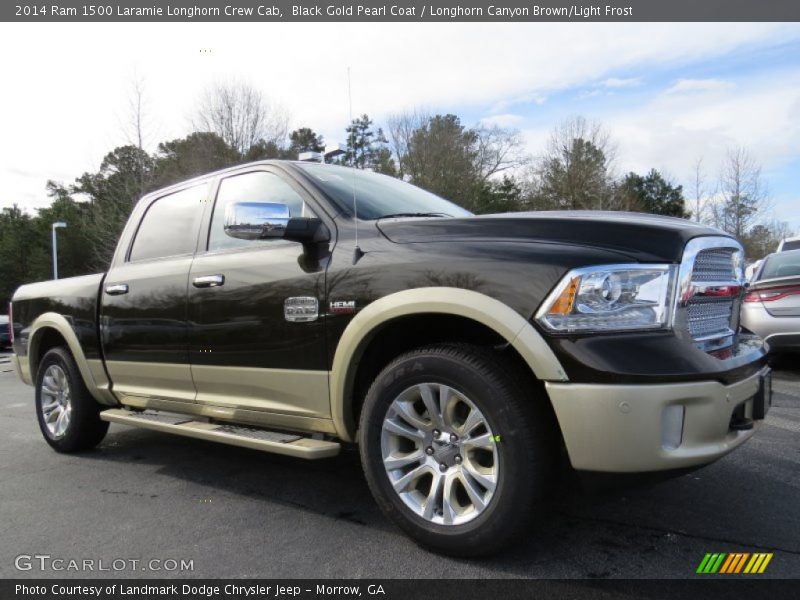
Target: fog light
[{"x": 672, "y": 426}]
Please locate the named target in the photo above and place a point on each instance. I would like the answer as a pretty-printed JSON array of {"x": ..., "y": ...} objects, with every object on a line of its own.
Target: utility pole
[{"x": 56, "y": 225}]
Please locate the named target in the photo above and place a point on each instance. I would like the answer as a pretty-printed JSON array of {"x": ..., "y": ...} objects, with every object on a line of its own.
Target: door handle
[
  {"x": 208, "y": 281},
  {"x": 117, "y": 289}
]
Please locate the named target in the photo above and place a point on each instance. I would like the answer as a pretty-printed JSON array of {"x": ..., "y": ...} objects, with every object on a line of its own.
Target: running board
[{"x": 277, "y": 442}]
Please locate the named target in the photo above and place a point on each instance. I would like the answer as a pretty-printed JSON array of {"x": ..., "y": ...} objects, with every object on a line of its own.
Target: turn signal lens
[{"x": 565, "y": 301}]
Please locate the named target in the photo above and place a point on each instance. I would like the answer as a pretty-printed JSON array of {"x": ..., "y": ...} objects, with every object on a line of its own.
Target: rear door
[{"x": 143, "y": 318}]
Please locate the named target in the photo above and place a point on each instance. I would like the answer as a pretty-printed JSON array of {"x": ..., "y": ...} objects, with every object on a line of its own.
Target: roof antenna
[{"x": 357, "y": 252}]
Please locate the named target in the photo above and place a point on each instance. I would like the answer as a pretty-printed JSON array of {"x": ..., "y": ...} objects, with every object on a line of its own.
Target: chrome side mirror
[{"x": 256, "y": 220}]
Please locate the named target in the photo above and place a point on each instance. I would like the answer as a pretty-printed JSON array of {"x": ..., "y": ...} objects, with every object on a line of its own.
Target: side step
[{"x": 233, "y": 435}]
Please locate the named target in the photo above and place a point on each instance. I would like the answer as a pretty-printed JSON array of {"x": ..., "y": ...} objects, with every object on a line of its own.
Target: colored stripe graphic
[
  {"x": 765, "y": 563},
  {"x": 711, "y": 563},
  {"x": 703, "y": 563},
  {"x": 722, "y": 563},
  {"x": 758, "y": 563},
  {"x": 740, "y": 564},
  {"x": 727, "y": 564}
]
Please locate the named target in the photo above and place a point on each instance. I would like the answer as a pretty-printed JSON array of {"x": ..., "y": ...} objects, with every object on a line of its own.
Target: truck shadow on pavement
[{"x": 603, "y": 523}]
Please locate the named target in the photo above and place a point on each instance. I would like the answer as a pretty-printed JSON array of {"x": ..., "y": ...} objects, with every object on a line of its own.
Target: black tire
[
  {"x": 85, "y": 429},
  {"x": 526, "y": 453}
]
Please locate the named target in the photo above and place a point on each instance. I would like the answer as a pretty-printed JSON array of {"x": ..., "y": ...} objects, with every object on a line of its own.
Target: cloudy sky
[{"x": 668, "y": 93}]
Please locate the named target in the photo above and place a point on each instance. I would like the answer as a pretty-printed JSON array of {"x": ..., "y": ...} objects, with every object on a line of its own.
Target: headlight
[{"x": 610, "y": 298}]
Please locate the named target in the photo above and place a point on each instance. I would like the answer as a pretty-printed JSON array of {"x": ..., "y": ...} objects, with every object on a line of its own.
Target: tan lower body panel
[
  {"x": 293, "y": 446},
  {"x": 102, "y": 391},
  {"x": 283, "y": 398},
  {"x": 162, "y": 380},
  {"x": 284, "y": 391}
]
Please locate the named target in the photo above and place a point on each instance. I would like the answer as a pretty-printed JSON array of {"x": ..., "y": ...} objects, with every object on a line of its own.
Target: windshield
[
  {"x": 378, "y": 195},
  {"x": 782, "y": 264}
]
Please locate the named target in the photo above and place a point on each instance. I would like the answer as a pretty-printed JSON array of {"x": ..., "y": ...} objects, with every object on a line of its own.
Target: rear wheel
[
  {"x": 69, "y": 417},
  {"x": 454, "y": 450}
]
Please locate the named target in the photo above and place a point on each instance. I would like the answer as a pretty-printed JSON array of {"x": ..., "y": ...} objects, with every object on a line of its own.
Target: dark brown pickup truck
[{"x": 294, "y": 307}]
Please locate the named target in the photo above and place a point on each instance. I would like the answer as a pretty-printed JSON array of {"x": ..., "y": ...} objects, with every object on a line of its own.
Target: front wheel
[
  {"x": 454, "y": 450},
  {"x": 69, "y": 417}
]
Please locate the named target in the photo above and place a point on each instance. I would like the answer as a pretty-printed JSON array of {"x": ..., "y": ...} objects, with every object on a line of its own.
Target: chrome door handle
[
  {"x": 117, "y": 289},
  {"x": 209, "y": 281}
]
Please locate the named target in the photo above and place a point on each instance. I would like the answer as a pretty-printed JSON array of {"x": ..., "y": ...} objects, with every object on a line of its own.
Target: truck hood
[{"x": 645, "y": 238}]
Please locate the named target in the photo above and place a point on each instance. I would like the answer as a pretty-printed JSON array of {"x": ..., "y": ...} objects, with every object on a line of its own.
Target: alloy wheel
[{"x": 440, "y": 454}]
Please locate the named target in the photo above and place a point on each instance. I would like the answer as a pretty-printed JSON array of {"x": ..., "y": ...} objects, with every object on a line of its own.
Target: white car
[
  {"x": 792, "y": 243},
  {"x": 751, "y": 269},
  {"x": 771, "y": 308}
]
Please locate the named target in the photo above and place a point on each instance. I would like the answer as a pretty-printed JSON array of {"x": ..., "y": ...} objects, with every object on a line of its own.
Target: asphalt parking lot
[{"x": 239, "y": 513}]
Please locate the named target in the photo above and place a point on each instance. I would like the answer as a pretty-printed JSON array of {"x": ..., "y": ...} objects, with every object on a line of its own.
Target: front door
[
  {"x": 245, "y": 353},
  {"x": 143, "y": 302}
]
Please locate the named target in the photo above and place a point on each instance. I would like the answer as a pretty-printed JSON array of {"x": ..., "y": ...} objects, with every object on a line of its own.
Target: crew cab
[{"x": 295, "y": 307}]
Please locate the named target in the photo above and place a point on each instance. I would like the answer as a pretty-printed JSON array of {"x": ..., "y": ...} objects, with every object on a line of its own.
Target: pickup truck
[{"x": 295, "y": 307}]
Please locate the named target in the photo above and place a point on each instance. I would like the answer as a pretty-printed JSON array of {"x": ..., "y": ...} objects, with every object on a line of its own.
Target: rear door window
[{"x": 170, "y": 225}]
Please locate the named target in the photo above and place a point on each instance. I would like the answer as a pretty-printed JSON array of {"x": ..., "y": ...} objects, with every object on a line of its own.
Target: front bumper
[{"x": 638, "y": 428}]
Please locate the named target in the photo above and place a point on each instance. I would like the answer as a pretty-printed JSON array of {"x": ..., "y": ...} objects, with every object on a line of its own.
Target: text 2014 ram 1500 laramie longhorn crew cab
[{"x": 292, "y": 307}]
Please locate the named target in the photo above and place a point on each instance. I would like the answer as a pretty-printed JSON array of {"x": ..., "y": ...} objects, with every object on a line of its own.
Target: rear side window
[
  {"x": 169, "y": 227},
  {"x": 782, "y": 264},
  {"x": 258, "y": 186},
  {"x": 791, "y": 245}
]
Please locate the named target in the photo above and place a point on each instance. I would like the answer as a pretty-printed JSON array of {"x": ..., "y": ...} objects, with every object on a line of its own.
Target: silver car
[{"x": 771, "y": 307}]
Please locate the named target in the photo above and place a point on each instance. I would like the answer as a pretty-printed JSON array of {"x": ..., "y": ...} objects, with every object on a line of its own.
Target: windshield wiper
[{"x": 415, "y": 214}]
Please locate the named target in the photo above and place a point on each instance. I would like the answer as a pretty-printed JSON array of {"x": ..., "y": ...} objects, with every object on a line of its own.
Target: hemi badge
[
  {"x": 343, "y": 307},
  {"x": 301, "y": 309}
]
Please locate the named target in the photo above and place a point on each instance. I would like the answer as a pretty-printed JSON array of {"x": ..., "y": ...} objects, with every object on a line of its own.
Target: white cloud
[
  {"x": 614, "y": 82},
  {"x": 65, "y": 97},
  {"x": 684, "y": 86},
  {"x": 674, "y": 130},
  {"x": 504, "y": 120}
]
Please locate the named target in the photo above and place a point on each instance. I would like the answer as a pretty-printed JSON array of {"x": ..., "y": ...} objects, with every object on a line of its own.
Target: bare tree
[
  {"x": 576, "y": 170},
  {"x": 699, "y": 189},
  {"x": 401, "y": 128},
  {"x": 498, "y": 149},
  {"x": 137, "y": 123},
  {"x": 241, "y": 115},
  {"x": 578, "y": 127},
  {"x": 742, "y": 195},
  {"x": 137, "y": 126}
]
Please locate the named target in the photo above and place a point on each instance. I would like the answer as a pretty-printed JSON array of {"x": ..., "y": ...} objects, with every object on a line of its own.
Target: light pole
[{"x": 56, "y": 225}]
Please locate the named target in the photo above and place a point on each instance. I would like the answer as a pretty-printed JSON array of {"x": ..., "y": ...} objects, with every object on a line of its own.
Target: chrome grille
[
  {"x": 708, "y": 316},
  {"x": 715, "y": 264},
  {"x": 710, "y": 291}
]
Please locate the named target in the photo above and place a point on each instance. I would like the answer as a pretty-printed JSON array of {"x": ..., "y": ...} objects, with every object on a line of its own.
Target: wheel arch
[
  {"x": 500, "y": 319},
  {"x": 52, "y": 329}
]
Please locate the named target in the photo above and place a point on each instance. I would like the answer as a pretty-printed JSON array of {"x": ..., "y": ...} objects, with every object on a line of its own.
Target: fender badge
[
  {"x": 342, "y": 307},
  {"x": 301, "y": 309}
]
